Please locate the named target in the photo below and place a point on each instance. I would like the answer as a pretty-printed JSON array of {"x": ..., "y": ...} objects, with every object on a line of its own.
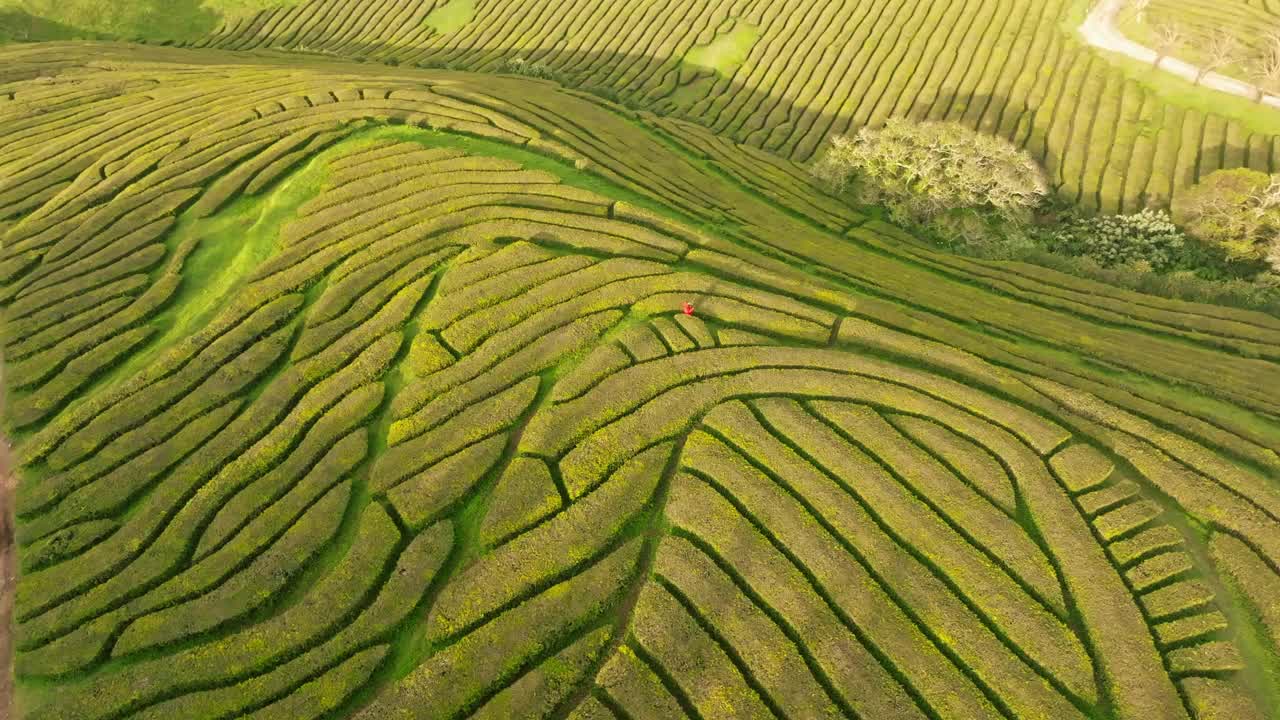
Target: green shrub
[
  {"x": 535, "y": 69},
  {"x": 1148, "y": 237},
  {"x": 1237, "y": 211},
  {"x": 1262, "y": 293},
  {"x": 980, "y": 234},
  {"x": 921, "y": 171}
]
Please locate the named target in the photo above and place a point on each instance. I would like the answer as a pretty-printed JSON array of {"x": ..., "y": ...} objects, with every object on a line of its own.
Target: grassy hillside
[
  {"x": 344, "y": 390},
  {"x": 1248, "y": 21},
  {"x": 1011, "y": 68},
  {"x": 778, "y": 77},
  {"x": 161, "y": 20}
]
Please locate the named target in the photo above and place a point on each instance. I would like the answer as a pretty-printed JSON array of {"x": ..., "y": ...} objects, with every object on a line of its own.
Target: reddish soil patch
[{"x": 8, "y": 571}]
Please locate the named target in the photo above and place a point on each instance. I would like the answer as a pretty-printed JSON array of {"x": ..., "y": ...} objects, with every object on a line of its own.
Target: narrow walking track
[
  {"x": 8, "y": 569},
  {"x": 1099, "y": 30}
]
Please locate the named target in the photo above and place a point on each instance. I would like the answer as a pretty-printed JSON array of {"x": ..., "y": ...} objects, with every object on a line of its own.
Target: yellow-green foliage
[
  {"x": 451, "y": 17},
  {"x": 1236, "y": 210},
  {"x": 434, "y": 435},
  {"x": 727, "y": 51},
  {"x": 143, "y": 19}
]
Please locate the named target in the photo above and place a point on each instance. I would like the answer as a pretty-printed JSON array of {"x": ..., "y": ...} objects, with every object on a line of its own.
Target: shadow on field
[
  {"x": 797, "y": 127},
  {"x": 774, "y": 121},
  {"x": 791, "y": 124}
]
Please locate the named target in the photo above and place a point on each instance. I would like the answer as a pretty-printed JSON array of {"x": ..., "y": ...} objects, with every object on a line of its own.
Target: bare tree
[
  {"x": 1269, "y": 202},
  {"x": 1223, "y": 50},
  {"x": 1271, "y": 38},
  {"x": 1265, "y": 71},
  {"x": 1140, "y": 9},
  {"x": 1273, "y": 254},
  {"x": 1168, "y": 37},
  {"x": 1269, "y": 198}
]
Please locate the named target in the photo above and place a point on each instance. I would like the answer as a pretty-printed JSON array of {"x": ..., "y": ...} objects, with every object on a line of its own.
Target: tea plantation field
[
  {"x": 790, "y": 74},
  {"x": 355, "y": 390},
  {"x": 784, "y": 76}
]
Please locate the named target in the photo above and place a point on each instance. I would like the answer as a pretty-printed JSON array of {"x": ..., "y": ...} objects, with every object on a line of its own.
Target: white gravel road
[{"x": 1100, "y": 31}]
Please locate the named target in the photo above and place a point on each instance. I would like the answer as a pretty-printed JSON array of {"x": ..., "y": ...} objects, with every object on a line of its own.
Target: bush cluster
[
  {"x": 979, "y": 195},
  {"x": 1148, "y": 237},
  {"x": 1236, "y": 211},
  {"x": 920, "y": 171},
  {"x": 1259, "y": 293},
  {"x": 534, "y": 69}
]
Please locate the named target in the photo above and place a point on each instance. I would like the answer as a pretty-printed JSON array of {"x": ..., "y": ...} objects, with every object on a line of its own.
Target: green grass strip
[{"x": 451, "y": 17}]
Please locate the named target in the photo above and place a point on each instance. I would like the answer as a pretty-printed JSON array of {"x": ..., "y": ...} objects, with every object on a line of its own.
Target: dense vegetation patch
[
  {"x": 167, "y": 20},
  {"x": 980, "y": 196},
  {"x": 451, "y": 16}
]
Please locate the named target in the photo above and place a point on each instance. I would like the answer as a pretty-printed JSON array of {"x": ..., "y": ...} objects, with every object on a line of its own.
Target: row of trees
[
  {"x": 16, "y": 25},
  {"x": 1260, "y": 60}
]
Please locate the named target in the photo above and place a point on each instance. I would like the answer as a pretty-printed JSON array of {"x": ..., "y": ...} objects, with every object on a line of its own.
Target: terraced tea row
[
  {"x": 1008, "y": 68},
  {"x": 440, "y": 440}
]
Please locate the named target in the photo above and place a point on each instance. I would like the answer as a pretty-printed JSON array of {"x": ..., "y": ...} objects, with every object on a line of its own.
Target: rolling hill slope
[
  {"x": 343, "y": 390},
  {"x": 1009, "y": 68},
  {"x": 779, "y": 77}
]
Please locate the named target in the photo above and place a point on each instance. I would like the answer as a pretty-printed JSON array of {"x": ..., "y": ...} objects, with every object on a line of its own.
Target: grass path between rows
[
  {"x": 231, "y": 244},
  {"x": 8, "y": 566}
]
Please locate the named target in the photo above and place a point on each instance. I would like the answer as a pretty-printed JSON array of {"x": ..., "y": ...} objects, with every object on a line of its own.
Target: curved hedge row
[{"x": 1008, "y": 68}]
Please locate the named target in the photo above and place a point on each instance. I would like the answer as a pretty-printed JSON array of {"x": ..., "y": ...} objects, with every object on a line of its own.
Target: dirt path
[
  {"x": 1099, "y": 30},
  {"x": 8, "y": 568}
]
